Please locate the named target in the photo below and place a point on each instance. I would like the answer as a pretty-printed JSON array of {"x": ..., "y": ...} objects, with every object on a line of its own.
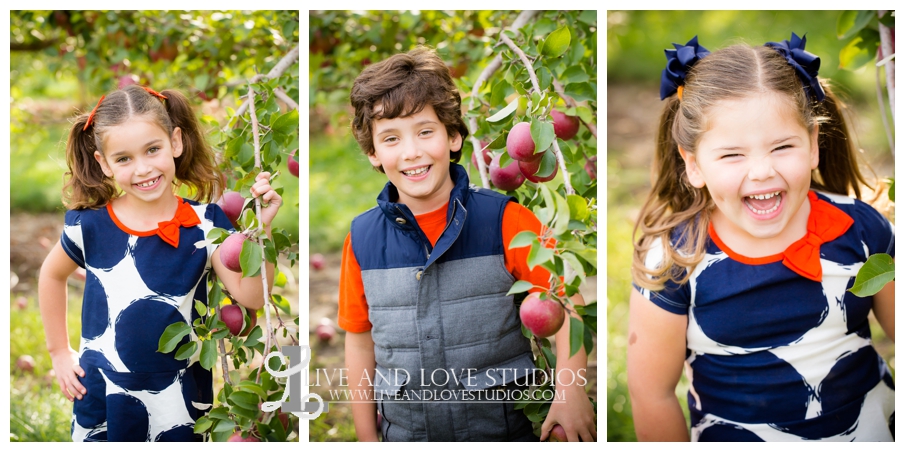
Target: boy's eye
[
  {"x": 122, "y": 160},
  {"x": 427, "y": 132}
]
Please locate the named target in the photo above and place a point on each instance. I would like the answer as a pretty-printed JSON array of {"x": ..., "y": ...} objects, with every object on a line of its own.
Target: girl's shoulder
[{"x": 865, "y": 215}]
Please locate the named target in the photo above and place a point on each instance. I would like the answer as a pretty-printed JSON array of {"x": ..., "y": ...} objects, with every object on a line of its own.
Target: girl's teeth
[
  {"x": 148, "y": 184},
  {"x": 416, "y": 172},
  {"x": 765, "y": 196}
]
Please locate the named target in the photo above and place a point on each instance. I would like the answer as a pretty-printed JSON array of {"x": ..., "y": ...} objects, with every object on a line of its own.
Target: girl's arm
[
  {"x": 656, "y": 356},
  {"x": 52, "y": 299},
  {"x": 885, "y": 309},
  {"x": 249, "y": 292},
  {"x": 361, "y": 364},
  {"x": 575, "y": 413}
]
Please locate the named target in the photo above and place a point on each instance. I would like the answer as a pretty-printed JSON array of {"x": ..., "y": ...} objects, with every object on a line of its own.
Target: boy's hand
[
  {"x": 269, "y": 197},
  {"x": 575, "y": 415},
  {"x": 66, "y": 366}
]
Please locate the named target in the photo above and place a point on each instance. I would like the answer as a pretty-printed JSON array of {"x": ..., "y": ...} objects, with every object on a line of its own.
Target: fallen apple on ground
[
  {"x": 25, "y": 363},
  {"x": 318, "y": 261},
  {"x": 542, "y": 317}
]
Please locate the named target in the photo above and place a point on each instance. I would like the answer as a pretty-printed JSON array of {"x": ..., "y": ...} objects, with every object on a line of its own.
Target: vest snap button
[
  {"x": 418, "y": 276},
  {"x": 400, "y": 220}
]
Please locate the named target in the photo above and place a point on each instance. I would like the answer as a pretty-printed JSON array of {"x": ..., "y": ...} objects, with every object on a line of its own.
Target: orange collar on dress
[
  {"x": 826, "y": 223},
  {"x": 168, "y": 230}
]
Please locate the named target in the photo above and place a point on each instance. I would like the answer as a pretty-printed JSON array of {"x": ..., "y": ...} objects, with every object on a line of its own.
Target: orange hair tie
[
  {"x": 679, "y": 92},
  {"x": 91, "y": 115},
  {"x": 154, "y": 93}
]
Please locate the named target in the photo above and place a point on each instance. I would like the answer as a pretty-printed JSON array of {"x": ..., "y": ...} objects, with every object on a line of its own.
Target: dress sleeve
[
  {"x": 353, "y": 306},
  {"x": 673, "y": 297},
  {"x": 517, "y": 218},
  {"x": 876, "y": 232},
  {"x": 71, "y": 239}
]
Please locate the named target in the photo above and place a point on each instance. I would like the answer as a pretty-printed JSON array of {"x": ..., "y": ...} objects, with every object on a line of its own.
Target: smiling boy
[{"x": 425, "y": 276}]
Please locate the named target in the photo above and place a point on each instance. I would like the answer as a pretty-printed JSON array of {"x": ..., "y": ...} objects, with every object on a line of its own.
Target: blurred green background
[
  {"x": 61, "y": 62},
  {"x": 635, "y": 58}
]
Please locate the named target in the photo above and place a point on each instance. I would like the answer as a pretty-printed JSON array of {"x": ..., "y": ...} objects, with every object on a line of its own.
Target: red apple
[
  {"x": 507, "y": 178},
  {"x": 558, "y": 435},
  {"x": 230, "y": 250},
  {"x": 231, "y": 202},
  {"x": 488, "y": 156},
  {"x": 519, "y": 143},
  {"x": 26, "y": 363},
  {"x": 293, "y": 164},
  {"x": 565, "y": 127},
  {"x": 318, "y": 261},
  {"x": 22, "y": 303},
  {"x": 529, "y": 169},
  {"x": 126, "y": 80},
  {"x": 542, "y": 317},
  {"x": 325, "y": 332},
  {"x": 591, "y": 167},
  {"x": 237, "y": 438}
]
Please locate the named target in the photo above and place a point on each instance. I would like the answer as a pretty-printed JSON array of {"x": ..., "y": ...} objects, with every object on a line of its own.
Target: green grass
[{"x": 38, "y": 410}]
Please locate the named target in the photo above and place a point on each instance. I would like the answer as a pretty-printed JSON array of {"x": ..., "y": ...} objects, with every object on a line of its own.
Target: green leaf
[
  {"x": 225, "y": 425},
  {"x": 574, "y": 74},
  {"x": 203, "y": 424},
  {"x": 254, "y": 336},
  {"x": 186, "y": 350},
  {"x": 588, "y": 339},
  {"x": 556, "y": 43},
  {"x": 251, "y": 386},
  {"x": 208, "y": 354},
  {"x": 523, "y": 239},
  {"x": 581, "y": 91},
  {"x": 500, "y": 91},
  {"x": 562, "y": 215},
  {"x": 551, "y": 357},
  {"x": 575, "y": 264},
  {"x": 876, "y": 272},
  {"x": 500, "y": 141},
  {"x": 245, "y": 399},
  {"x": 892, "y": 190},
  {"x": 172, "y": 336},
  {"x": 578, "y": 207},
  {"x": 538, "y": 255},
  {"x": 543, "y": 135},
  {"x": 250, "y": 259},
  {"x": 505, "y": 112},
  {"x": 544, "y": 78},
  {"x": 519, "y": 287},
  {"x": 547, "y": 164},
  {"x": 860, "y": 50},
  {"x": 576, "y": 335},
  {"x": 851, "y": 22}
]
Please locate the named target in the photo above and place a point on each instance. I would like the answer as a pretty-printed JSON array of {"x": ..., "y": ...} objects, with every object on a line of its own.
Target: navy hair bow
[
  {"x": 805, "y": 63},
  {"x": 678, "y": 62}
]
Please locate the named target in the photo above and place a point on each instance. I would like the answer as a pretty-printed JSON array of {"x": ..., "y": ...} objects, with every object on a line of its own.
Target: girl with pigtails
[
  {"x": 744, "y": 249},
  {"x": 136, "y": 240}
]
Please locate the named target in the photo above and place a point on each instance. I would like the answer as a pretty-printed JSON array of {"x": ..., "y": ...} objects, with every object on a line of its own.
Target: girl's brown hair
[
  {"x": 401, "y": 86},
  {"x": 676, "y": 214},
  {"x": 86, "y": 186}
]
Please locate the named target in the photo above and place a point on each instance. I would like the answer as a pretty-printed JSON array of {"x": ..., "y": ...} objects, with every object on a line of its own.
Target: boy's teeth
[{"x": 416, "y": 172}]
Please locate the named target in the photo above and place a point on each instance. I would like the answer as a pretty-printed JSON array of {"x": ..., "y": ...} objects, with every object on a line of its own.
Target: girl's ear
[
  {"x": 455, "y": 143},
  {"x": 103, "y": 162},
  {"x": 176, "y": 141},
  {"x": 691, "y": 169},
  {"x": 815, "y": 148}
]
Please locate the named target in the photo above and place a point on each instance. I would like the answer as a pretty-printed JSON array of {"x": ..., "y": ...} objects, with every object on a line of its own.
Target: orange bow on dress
[
  {"x": 185, "y": 216},
  {"x": 825, "y": 223}
]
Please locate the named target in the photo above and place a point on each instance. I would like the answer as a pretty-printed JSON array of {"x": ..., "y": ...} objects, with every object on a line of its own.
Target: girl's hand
[
  {"x": 66, "y": 366},
  {"x": 269, "y": 198},
  {"x": 575, "y": 414}
]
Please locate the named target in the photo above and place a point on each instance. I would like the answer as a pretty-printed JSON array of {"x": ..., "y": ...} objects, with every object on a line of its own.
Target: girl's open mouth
[
  {"x": 149, "y": 185},
  {"x": 764, "y": 204}
]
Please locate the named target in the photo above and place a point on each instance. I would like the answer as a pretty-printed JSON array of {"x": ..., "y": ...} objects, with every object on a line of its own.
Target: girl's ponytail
[
  {"x": 84, "y": 186},
  {"x": 196, "y": 166},
  {"x": 838, "y": 167}
]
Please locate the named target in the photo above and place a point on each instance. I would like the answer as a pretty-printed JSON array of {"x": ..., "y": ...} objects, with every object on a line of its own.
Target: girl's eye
[
  {"x": 786, "y": 146},
  {"x": 153, "y": 150},
  {"x": 729, "y": 156}
]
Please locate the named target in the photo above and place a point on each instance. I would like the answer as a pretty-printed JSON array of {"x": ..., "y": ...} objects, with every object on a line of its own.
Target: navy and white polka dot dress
[
  {"x": 774, "y": 356},
  {"x": 137, "y": 285}
]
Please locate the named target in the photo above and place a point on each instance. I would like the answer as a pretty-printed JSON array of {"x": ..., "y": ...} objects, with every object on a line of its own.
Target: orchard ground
[
  {"x": 328, "y": 357},
  {"x": 38, "y": 410}
]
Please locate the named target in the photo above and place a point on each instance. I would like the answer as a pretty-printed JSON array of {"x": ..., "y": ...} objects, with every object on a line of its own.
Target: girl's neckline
[
  {"x": 812, "y": 198},
  {"x": 134, "y": 232}
]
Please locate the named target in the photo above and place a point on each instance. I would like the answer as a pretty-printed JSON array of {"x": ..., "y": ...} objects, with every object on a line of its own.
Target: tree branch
[
  {"x": 887, "y": 45},
  {"x": 285, "y": 63},
  {"x": 488, "y": 71},
  {"x": 257, "y": 141}
]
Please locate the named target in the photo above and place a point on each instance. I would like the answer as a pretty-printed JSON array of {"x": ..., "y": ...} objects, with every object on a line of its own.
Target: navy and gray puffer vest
[{"x": 443, "y": 327}]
